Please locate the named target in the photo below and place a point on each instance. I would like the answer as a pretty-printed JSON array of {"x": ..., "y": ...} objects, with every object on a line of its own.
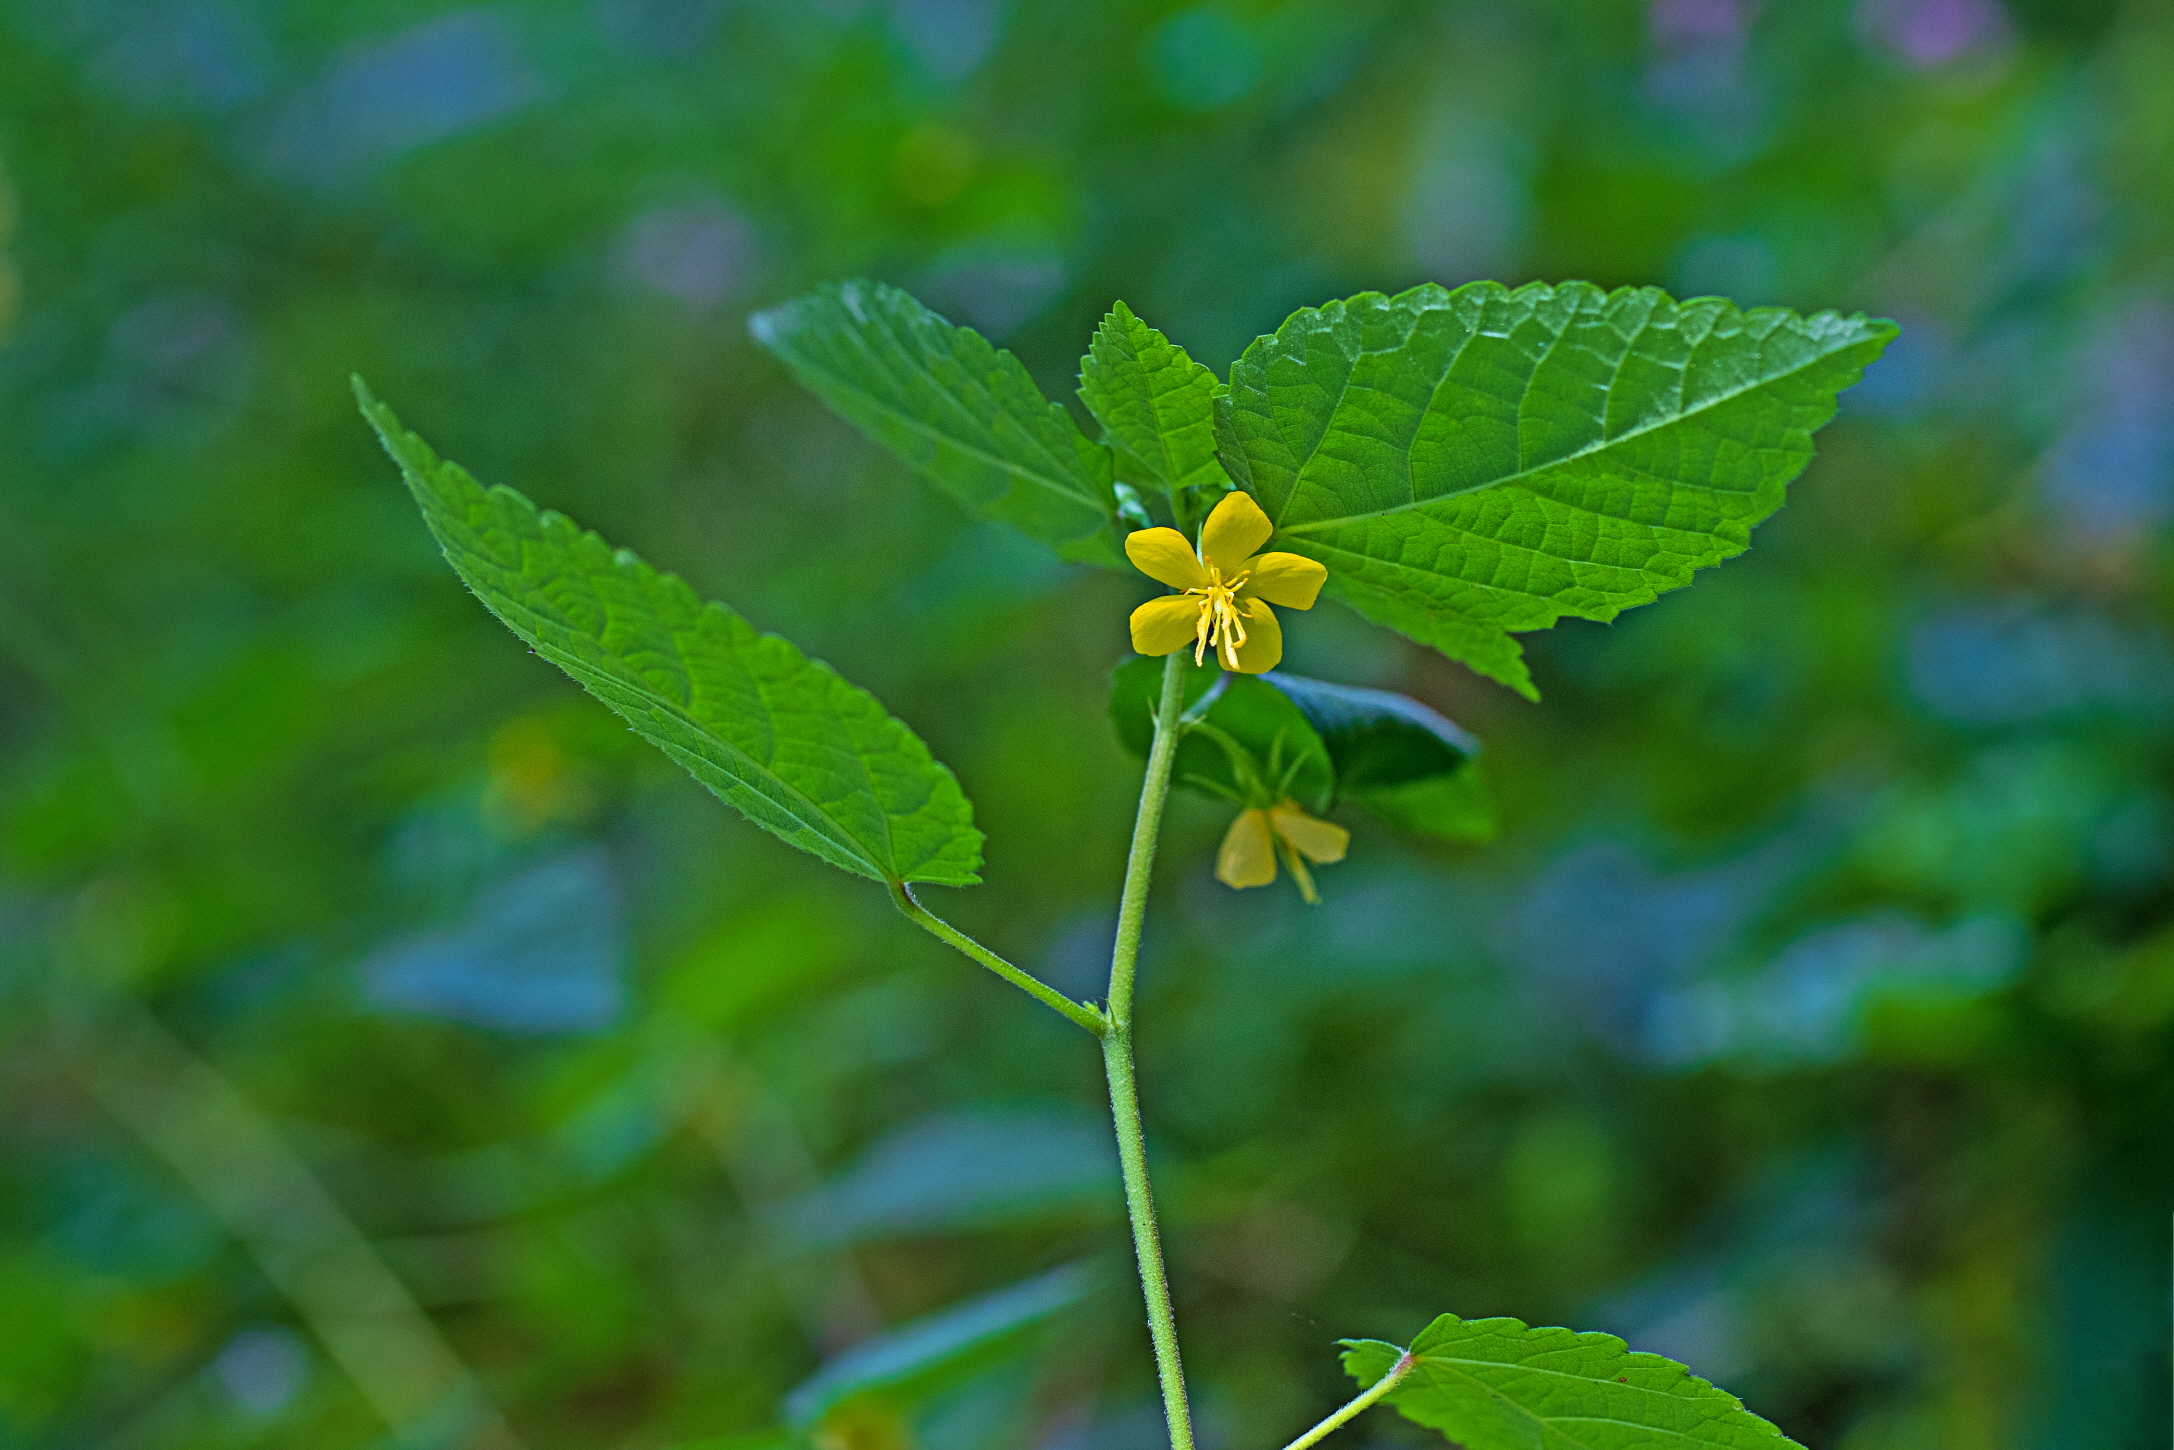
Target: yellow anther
[{"x": 1222, "y": 623}]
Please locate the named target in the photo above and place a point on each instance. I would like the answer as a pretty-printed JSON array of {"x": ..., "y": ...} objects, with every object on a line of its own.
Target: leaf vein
[{"x": 1572, "y": 457}]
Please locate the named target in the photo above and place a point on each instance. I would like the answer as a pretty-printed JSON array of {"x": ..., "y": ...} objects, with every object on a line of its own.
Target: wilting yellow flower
[
  {"x": 1248, "y": 856},
  {"x": 1227, "y": 589}
]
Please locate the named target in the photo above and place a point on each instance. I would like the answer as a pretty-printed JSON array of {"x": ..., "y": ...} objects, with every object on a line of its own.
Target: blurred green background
[{"x": 395, "y": 1052}]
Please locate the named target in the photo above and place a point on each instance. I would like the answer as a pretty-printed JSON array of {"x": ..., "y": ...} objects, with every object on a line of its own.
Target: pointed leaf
[
  {"x": 1493, "y": 1384},
  {"x": 1475, "y": 462},
  {"x": 963, "y": 413},
  {"x": 799, "y": 751},
  {"x": 1157, "y": 404}
]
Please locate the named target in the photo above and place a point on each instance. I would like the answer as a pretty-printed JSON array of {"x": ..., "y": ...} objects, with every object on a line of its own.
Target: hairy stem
[
  {"x": 1117, "y": 1056},
  {"x": 1342, "y": 1417},
  {"x": 1080, "y": 1013}
]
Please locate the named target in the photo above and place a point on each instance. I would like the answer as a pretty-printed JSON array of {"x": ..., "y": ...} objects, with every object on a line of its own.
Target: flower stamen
[{"x": 1221, "y": 625}]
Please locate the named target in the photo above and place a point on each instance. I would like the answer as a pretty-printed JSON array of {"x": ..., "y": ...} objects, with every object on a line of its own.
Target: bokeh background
[{"x": 394, "y": 1052}]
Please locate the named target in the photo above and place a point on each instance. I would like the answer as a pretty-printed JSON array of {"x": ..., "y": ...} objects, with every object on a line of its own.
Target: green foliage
[
  {"x": 798, "y": 750},
  {"x": 1493, "y": 1384},
  {"x": 1475, "y": 462},
  {"x": 963, "y": 413},
  {"x": 247, "y": 736},
  {"x": 1377, "y": 737},
  {"x": 1403, "y": 761},
  {"x": 1386, "y": 751},
  {"x": 1467, "y": 463},
  {"x": 1158, "y": 407},
  {"x": 1456, "y": 806}
]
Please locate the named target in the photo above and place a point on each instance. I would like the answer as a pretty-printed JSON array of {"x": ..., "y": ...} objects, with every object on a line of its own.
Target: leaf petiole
[
  {"x": 1366, "y": 1398},
  {"x": 1081, "y": 1014}
]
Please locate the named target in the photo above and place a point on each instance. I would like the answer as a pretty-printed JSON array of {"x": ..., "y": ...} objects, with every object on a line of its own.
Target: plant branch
[
  {"x": 1080, "y": 1013},
  {"x": 1117, "y": 1058},
  {"x": 1337, "y": 1421}
]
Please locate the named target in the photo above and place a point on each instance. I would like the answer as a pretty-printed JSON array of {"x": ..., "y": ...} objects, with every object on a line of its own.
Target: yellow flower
[
  {"x": 1227, "y": 589},
  {"x": 1248, "y": 856}
]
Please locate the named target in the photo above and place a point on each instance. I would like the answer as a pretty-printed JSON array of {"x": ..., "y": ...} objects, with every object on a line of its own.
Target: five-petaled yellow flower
[
  {"x": 1248, "y": 856},
  {"x": 1226, "y": 590}
]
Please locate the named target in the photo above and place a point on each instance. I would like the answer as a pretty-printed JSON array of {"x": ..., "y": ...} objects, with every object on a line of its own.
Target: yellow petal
[
  {"x": 1317, "y": 840},
  {"x": 1264, "y": 641},
  {"x": 1164, "y": 556},
  {"x": 1233, "y": 531},
  {"x": 1248, "y": 856},
  {"x": 1291, "y": 580},
  {"x": 1171, "y": 622}
]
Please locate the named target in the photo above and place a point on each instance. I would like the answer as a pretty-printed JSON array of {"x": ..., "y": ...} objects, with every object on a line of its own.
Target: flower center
[{"x": 1222, "y": 626}]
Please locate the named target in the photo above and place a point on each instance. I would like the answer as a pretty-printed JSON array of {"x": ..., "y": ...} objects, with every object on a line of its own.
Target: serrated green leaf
[
  {"x": 963, "y": 413},
  {"x": 1253, "y": 715},
  {"x": 798, "y": 750},
  {"x": 1482, "y": 461},
  {"x": 935, "y": 1346},
  {"x": 1493, "y": 1384},
  {"x": 1157, "y": 404}
]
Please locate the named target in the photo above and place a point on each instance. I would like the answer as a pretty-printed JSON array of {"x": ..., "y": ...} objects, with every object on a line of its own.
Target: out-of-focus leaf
[
  {"x": 944, "y": 1343},
  {"x": 1454, "y": 807},
  {"x": 1820, "y": 997},
  {"x": 1157, "y": 404},
  {"x": 964, "y": 1170},
  {"x": 1259, "y": 718},
  {"x": 1493, "y": 1384},
  {"x": 1377, "y": 737},
  {"x": 1405, "y": 762},
  {"x": 965, "y": 414},
  {"x": 798, "y": 750},
  {"x": 542, "y": 953},
  {"x": 1472, "y": 462}
]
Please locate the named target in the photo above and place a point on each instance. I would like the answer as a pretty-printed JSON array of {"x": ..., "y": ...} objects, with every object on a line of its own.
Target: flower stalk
[
  {"x": 1215, "y": 605},
  {"x": 1117, "y": 1059},
  {"x": 1113, "y": 1024}
]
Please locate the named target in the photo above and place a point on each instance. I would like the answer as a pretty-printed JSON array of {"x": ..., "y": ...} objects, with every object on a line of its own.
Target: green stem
[
  {"x": 1140, "y": 864},
  {"x": 1337, "y": 1421},
  {"x": 1085, "y": 1016},
  {"x": 1117, "y": 1056}
]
